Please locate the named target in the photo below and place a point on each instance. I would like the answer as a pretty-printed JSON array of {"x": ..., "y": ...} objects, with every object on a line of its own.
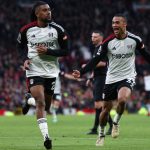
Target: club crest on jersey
[
  {"x": 50, "y": 34},
  {"x": 129, "y": 46}
]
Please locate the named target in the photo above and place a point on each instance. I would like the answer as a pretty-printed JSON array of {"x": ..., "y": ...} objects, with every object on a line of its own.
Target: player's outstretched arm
[
  {"x": 89, "y": 66},
  {"x": 101, "y": 53},
  {"x": 76, "y": 74}
]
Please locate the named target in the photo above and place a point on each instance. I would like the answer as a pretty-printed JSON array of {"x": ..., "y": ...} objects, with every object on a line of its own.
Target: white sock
[
  {"x": 54, "y": 113},
  {"x": 117, "y": 118},
  {"x": 31, "y": 101},
  {"x": 43, "y": 127},
  {"x": 53, "y": 110},
  {"x": 101, "y": 131}
]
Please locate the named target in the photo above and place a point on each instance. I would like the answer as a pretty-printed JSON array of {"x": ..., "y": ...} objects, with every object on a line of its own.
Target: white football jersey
[
  {"x": 121, "y": 56},
  {"x": 51, "y": 36}
]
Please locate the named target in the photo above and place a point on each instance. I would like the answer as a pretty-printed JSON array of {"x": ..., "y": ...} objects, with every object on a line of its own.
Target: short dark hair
[
  {"x": 121, "y": 15},
  {"x": 99, "y": 32},
  {"x": 35, "y": 6}
]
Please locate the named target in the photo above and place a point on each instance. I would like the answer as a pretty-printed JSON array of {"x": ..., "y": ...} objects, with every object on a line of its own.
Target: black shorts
[
  {"x": 98, "y": 86},
  {"x": 48, "y": 83},
  {"x": 111, "y": 90}
]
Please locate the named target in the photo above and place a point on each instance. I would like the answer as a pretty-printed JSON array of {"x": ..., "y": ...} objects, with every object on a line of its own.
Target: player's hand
[
  {"x": 79, "y": 79},
  {"x": 26, "y": 64},
  {"x": 22, "y": 67},
  {"x": 41, "y": 49},
  {"x": 83, "y": 65},
  {"x": 88, "y": 83},
  {"x": 76, "y": 74}
]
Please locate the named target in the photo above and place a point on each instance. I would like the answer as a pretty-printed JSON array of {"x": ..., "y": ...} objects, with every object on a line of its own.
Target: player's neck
[
  {"x": 122, "y": 36},
  {"x": 98, "y": 44},
  {"x": 41, "y": 23}
]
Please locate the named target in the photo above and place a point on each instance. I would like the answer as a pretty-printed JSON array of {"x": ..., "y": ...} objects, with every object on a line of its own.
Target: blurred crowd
[{"x": 79, "y": 18}]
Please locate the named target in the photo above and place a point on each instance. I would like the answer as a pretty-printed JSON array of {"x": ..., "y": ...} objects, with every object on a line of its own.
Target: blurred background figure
[
  {"x": 56, "y": 100},
  {"x": 98, "y": 77}
]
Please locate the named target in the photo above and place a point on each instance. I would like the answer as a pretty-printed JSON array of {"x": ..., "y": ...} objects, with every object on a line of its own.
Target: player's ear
[
  {"x": 36, "y": 12},
  {"x": 125, "y": 23}
]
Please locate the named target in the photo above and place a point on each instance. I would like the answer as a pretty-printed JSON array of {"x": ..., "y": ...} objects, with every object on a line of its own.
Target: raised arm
[{"x": 102, "y": 52}]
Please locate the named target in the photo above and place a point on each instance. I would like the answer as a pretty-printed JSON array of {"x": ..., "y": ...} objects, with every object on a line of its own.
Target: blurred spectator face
[
  {"x": 119, "y": 26},
  {"x": 43, "y": 13},
  {"x": 96, "y": 38}
]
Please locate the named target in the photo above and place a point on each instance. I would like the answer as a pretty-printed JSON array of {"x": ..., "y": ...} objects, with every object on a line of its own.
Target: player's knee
[
  {"x": 122, "y": 99},
  {"x": 105, "y": 111},
  {"x": 98, "y": 105}
]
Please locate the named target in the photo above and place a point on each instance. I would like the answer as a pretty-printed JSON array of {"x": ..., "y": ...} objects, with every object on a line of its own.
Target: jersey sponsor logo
[
  {"x": 47, "y": 44},
  {"x": 120, "y": 56}
]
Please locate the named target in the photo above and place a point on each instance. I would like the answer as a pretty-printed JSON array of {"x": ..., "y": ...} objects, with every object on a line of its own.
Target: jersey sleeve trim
[{"x": 32, "y": 24}]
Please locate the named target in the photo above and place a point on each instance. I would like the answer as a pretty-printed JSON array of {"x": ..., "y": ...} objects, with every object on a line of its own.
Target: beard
[{"x": 46, "y": 20}]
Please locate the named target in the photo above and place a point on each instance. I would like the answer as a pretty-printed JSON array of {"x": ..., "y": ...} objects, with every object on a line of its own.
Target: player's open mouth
[{"x": 116, "y": 30}]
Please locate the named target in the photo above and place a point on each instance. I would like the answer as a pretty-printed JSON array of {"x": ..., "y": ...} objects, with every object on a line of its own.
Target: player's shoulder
[
  {"x": 57, "y": 26},
  {"x": 108, "y": 39},
  {"x": 133, "y": 36},
  {"x": 27, "y": 26}
]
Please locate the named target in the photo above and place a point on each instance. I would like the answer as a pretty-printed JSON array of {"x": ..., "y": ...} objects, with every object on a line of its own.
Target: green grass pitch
[{"x": 69, "y": 133}]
